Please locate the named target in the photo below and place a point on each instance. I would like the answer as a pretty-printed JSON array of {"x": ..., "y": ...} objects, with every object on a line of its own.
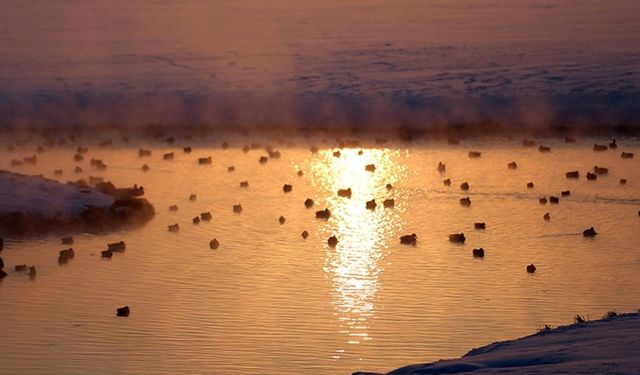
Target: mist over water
[{"x": 338, "y": 63}]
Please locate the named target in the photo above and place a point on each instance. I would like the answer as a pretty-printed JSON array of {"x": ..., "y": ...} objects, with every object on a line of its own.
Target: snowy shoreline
[
  {"x": 610, "y": 345},
  {"x": 35, "y": 205}
]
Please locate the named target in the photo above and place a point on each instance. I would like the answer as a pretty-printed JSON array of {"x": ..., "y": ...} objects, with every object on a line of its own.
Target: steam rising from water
[{"x": 354, "y": 63}]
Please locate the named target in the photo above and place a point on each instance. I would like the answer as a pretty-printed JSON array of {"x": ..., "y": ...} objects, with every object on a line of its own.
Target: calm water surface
[{"x": 268, "y": 301}]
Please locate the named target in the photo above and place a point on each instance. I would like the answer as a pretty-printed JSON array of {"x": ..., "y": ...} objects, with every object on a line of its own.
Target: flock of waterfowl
[{"x": 68, "y": 254}]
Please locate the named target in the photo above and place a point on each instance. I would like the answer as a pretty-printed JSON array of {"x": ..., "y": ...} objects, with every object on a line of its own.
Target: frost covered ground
[{"x": 609, "y": 346}]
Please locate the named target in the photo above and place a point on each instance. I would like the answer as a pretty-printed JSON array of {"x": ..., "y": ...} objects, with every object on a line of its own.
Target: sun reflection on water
[{"x": 355, "y": 264}]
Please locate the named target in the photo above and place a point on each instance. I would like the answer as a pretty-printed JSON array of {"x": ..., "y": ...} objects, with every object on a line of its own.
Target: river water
[{"x": 268, "y": 301}]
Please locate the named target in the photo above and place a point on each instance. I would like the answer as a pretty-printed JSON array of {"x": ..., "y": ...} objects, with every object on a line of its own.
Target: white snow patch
[
  {"x": 46, "y": 198},
  {"x": 610, "y": 346}
]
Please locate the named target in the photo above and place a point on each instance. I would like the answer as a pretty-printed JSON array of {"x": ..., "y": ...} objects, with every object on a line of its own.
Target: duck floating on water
[
  {"x": 142, "y": 152},
  {"x": 323, "y": 214},
  {"x": 332, "y": 241},
  {"x": 119, "y": 247},
  {"x": 457, "y": 238},
  {"x": 474, "y": 154},
  {"x": 409, "y": 239},
  {"x": 600, "y": 170},
  {"x": 65, "y": 255},
  {"x": 205, "y": 161},
  {"x": 346, "y": 193},
  {"x": 123, "y": 311}
]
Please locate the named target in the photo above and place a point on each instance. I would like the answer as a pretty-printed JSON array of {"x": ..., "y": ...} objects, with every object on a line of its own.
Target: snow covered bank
[
  {"x": 605, "y": 346},
  {"x": 32, "y": 204}
]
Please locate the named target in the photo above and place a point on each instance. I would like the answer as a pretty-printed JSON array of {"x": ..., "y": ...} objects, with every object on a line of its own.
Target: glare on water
[{"x": 354, "y": 265}]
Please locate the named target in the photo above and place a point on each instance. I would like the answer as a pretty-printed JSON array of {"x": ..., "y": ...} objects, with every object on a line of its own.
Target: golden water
[{"x": 268, "y": 301}]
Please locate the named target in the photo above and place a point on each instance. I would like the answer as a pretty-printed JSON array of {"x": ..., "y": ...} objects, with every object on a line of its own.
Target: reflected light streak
[{"x": 354, "y": 266}]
